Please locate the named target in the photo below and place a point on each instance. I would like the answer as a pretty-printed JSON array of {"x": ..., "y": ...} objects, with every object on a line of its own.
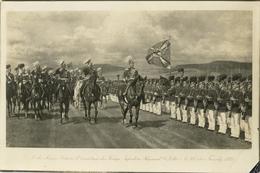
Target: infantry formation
[{"x": 218, "y": 103}]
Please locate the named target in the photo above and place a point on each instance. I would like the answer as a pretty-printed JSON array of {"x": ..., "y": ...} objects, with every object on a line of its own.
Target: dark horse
[
  {"x": 133, "y": 98},
  {"x": 64, "y": 96},
  {"x": 37, "y": 96},
  {"x": 90, "y": 95}
]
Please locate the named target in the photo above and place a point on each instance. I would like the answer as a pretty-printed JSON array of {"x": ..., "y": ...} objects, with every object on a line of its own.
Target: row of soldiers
[{"x": 214, "y": 102}]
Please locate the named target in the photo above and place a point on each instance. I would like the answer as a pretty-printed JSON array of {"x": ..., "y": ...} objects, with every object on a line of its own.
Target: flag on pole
[{"x": 160, "y": 54}]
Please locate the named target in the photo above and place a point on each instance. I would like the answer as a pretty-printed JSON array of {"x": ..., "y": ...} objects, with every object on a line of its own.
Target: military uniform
[
  {"x": 199, "y": 102},
  {"x": 183, "y": 102},
  {"x": 129, "y": 75},
  {"x": 235, "y": 99},
  {"x": 222, "y": 100},
  {"x": 210, "y": 99},
  {"x": 247, "y": 115},
  {"x": 190, "y": 100},
  {"x": 171, "y": 93},
  {"x": 63, "y": 78}
]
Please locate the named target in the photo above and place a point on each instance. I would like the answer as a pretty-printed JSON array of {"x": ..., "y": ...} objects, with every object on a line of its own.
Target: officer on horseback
[
  {"x": 89, "y": 72},
  {"x": 36, "y": 73},
  {"x": 129, "y": 74},
  {"x": 63, "y": 76}
]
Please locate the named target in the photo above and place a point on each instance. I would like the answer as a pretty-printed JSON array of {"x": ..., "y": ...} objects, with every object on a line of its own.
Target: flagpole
[{"x": 170, "y": 39}]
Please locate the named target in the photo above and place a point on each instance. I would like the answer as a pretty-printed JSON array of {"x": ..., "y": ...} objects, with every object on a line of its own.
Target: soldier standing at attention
[
  {"x": 190, "y": 100},
  {"x": 130, "y": 74},
  {"x": 211, "y": 97},
  {"x": 198, "y": 102},
  {"x": 222, "y": 98},
  {"x": 183, "y": 94},
  {"x": 177, "y": 98},
  {"x": 236, "y": 97},
  {"x": 247, "y": 113}
]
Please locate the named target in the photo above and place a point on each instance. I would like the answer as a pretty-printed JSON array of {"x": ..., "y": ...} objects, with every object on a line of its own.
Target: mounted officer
[
  {"x": 90, "y": 73},
  {"x": 37, "y": 72},
  {"x": 129, "y": 74},
  {"x": 63, "y": 76}
]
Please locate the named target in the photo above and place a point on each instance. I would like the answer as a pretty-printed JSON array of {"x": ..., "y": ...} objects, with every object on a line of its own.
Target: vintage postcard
[{"x": 130, "y": 86}]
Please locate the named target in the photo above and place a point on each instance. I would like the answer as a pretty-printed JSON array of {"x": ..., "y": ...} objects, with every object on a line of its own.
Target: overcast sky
[{"x": 108, "y": 37}]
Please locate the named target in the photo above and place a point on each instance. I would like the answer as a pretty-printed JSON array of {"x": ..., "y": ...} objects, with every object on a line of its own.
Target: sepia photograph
[
  {"x": 178, "y": 79},
  {"x": 130, "y": 79}
]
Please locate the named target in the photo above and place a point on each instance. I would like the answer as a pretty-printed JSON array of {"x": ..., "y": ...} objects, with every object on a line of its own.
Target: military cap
[
  {"x": 185, "y": 78},
  {"x": 193, "y": 79},
  {"x": 8, "y": 66},
  {"x": 229, "y": 79},
  {"x": 236, "y": 77},
  {"x": 21, "y": 65},
  {"x": 180, "y": 70},
  {"x": 171, "y": 77},
  {"x": 85, "y": 70},
  {"x": 243, "y": 79},
  {"x": 177, "y": 79},
  {"x": 16, "y": 68},
  {"x": 201, "y": 78},
  {"x": 210, "y": 78},
  {"x": 249, "y": 77},
  {"x": 221, "y": 77}
]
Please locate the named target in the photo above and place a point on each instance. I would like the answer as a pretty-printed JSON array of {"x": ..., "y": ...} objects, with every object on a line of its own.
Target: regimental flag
[{"x": 160, "y": 54}]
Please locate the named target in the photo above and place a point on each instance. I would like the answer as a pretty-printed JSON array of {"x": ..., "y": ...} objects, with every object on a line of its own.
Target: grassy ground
[{"x": 153, "y": 132}]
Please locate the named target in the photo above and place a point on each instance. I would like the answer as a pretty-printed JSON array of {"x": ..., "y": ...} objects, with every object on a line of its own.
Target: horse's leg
[
  {"x": 67, "y": 105},
  {"x": 89, "y": 110},
  {"x": 11, "y": 106},
  {"x": 85, "y": 108},
  {"x": 96, "y": 111},
  {"x": 35, "y": 109},
  {"x": 124, "y": 112},
  {"x": 131, "y": 114},
  {"x": 8, "y": 107},
  {"x": 61, "y": 110},
  {"x": 137, "y": 109}
]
